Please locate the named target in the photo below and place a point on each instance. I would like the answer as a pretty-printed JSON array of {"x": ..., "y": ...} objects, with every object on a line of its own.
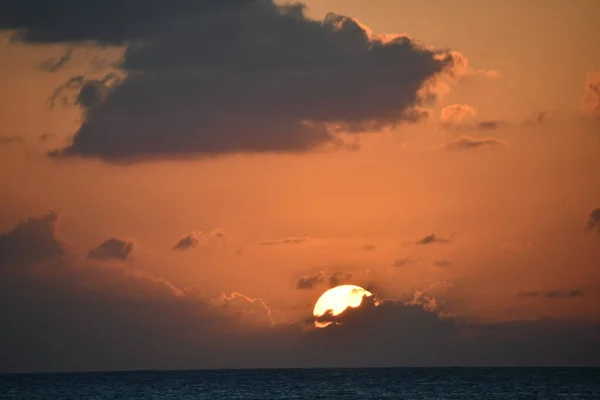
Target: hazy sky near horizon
[{"x": 171, "y": 175}]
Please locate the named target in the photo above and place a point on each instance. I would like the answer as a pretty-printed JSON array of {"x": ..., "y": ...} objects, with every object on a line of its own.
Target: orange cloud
[
  {"x": 456, "y": 112},
  {"x": 591, "y": 98}
]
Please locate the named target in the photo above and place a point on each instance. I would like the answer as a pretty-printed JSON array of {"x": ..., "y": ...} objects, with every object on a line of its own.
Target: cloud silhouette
[
  {"x": 111, "y": 249},
  {"x": 466, "y": 142},
  {"x": 30, "y": 242},
  {"x": 553, "y": 294},
  {"x": 194, "y": 239},
  {"x": 82, "y": 21},
  {"x": 594, "y": 219},
  {"x": 289, "y": 240},
  {"x": 310, "y": 282},
  {"x": 489, "y": 125},
  {"x": 338, "y": 278},
  {"x": 187, "y": 242},
  {"x": 202, "y": 79},
  {"x": 97, "y": 317},
  {"x": 56, "y": 64},
  {"x": 431, "y": 239}
]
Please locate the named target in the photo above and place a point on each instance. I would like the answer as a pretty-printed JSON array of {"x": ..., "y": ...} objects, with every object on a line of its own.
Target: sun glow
[{"x": 336, "y": 300}]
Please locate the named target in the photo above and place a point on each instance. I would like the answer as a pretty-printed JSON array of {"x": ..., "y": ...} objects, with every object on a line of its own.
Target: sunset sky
[{"x": 182, "y": 179}]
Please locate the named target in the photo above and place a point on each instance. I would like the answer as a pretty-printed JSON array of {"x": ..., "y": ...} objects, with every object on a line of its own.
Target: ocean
[{"x": 325, "y": 384}]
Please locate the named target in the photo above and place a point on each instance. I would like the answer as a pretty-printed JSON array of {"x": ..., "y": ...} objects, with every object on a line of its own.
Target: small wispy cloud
[
  {"x": 112, "y": 249},
  {"x": 553, "y": 294},
  {"x": 466, "y": 143},
  {"x": 289, "y": 240},
  {"x": 433, "y": 238}
]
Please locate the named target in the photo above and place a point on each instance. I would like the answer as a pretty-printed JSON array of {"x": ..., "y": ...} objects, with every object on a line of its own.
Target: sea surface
[{"x": 335, "y": 384}]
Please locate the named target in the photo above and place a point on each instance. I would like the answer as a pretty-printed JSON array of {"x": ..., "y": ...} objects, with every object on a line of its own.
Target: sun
[{"x": 336, "y": 300}]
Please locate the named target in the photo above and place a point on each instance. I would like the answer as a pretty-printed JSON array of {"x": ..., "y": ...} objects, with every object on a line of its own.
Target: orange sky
[{"x": 512, "y": 201}]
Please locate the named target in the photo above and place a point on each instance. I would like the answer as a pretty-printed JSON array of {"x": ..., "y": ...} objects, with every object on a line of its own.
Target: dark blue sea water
[{"x": 386, "y": 383}]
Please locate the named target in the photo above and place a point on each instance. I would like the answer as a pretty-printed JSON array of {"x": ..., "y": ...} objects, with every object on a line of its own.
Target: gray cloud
[
  {"x": 594, "y": 219},
  {"x": 289, "y": 240},
  {"x": 112, "y": 249},
  {"x": 31, "y": 242},
  {"x": 338, "y": 278},
  {"x": 310, "y": 282},
  {"x": 194, "y": 239},
  {"x": 433, "y": 238},
  {"x": 55, "y": 64},
  {"x": 489, "y": 125},
  {"x": 186, "y": 242},
  {"x": 243, "y": 76},
  {"x": 453, "y": 340},
  {"x": 467, "y": 142},
  {"x": 553, "y": 294},
  {"x": 85, "y": 316},
  {"x": 39, "y": 21}
]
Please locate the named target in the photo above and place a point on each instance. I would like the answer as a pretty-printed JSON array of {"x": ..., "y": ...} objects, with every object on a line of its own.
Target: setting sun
[{"x": 338, "y": 299}]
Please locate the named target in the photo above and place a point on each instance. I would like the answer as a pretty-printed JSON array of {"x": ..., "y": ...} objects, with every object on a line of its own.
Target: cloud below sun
[{"x": 98, "y": 303}]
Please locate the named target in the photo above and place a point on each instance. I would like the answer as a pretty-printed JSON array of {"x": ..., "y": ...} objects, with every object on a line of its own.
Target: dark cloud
[
  {"x": 112, "y": 249},
  {"x": 290, "y": 240},
  {"x": 11, "y": 139},
  {"x": 433, "y": 238},
  {"x": 31, "y": 242},
  {"x": 83, "y": 92},
  {"x": 594, "y": 220},
  {"x": 338, "y": 278},
  {"x": 84, "y": 316},
  {"x": 186, "y": 242},
  {"x": 195, "y": 239},
  {"x": 411, "y": 332},
  {"x": 111, "y": 22},
  {"x": 368, "y": 247},
  {"x": 310, "y": 282},
  {"x": 489, "y": 125},
  {"x": 452, "y": 119},
  {"x": 467, "y": 142},
  {"x": 553, "y": 294},
  {"x": 243, "y": 76},
  {"x": 54, "y": 64}
]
